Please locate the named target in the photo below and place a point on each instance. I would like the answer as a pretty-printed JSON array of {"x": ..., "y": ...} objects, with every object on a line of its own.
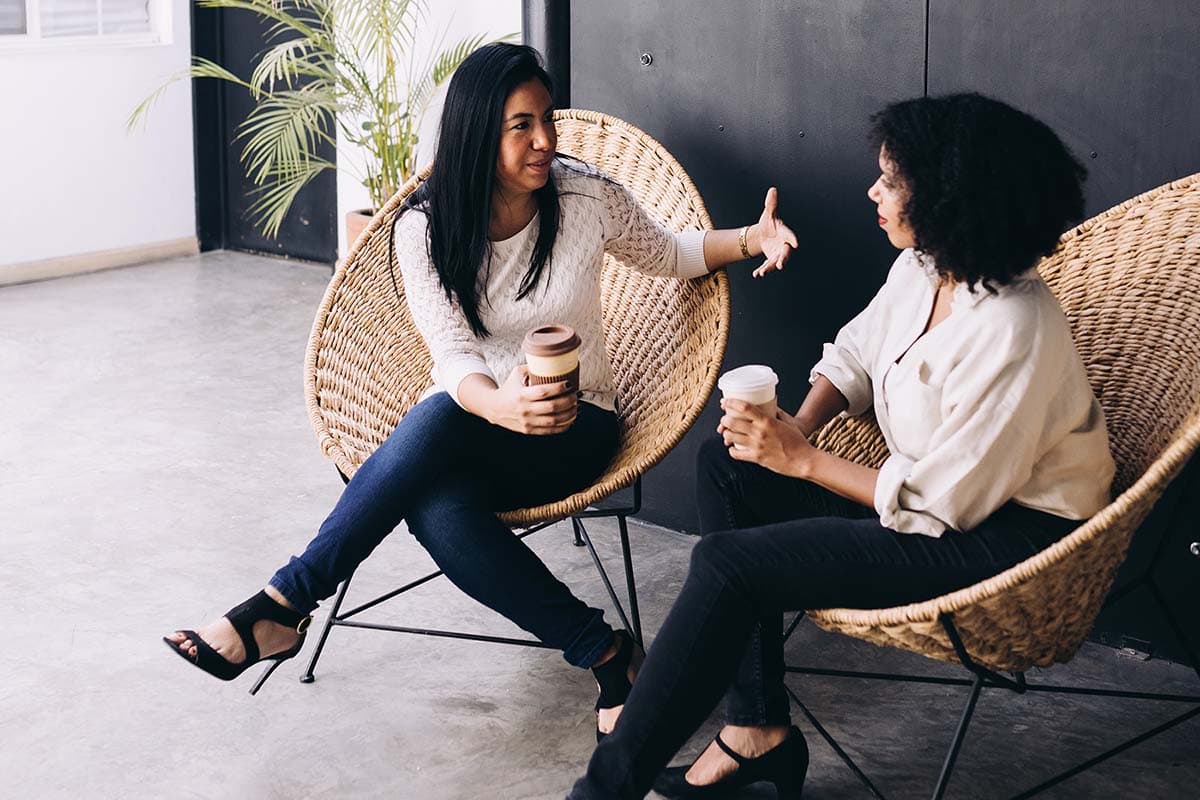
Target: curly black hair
[{"x": 989, "y": 188}]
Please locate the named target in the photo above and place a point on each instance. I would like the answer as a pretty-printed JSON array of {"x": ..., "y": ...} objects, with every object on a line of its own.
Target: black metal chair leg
[
  {"x": 308, "y": 677},
  {"x": 959, "y": 735},
  {"x": 630, "y": 584},
  {"x": 1107, "y": 754},
  {"x": 838, "y": 750},
  {"x": 791, "y": 628},
  {"x": 612, "y": 593}
]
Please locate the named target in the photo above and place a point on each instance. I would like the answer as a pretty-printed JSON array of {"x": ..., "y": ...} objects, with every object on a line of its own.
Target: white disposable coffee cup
[{"x": 753, "y": 383}]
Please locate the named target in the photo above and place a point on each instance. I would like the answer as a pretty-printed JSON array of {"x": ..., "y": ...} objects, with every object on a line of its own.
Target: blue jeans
[
  {"x": 740, "y": 581},
  {"x": 446, "y": 472}
]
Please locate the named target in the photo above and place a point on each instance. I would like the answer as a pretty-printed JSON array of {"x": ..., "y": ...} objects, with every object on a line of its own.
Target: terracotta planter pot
[{"x": 356, "y": 221}]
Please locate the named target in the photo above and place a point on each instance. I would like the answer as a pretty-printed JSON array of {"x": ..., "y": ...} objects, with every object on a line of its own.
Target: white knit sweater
[{"x": 598, "y": 215}]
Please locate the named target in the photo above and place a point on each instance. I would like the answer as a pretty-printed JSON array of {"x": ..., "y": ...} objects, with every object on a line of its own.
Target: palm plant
[{"x": 330, "y": 65}]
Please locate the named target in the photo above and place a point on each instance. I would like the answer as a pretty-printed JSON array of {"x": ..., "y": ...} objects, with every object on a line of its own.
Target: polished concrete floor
[{"x": 157, "y": 464}]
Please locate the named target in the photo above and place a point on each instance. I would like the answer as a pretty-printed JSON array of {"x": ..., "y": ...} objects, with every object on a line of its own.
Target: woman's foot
[
  {"x": 713, "y": 764},
  {"x": 615, "y": 672},
  {"x": 271, "y": 637},
  {"x": 738, "y": 757}
]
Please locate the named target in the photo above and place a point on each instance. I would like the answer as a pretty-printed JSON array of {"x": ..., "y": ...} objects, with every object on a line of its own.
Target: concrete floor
[{"x": 156, "y": 466}]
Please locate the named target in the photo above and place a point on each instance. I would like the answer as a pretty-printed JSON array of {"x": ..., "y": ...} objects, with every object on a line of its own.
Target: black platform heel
[
  {"x": 243, "y": 617},
  {"x": 615, "y": 676},
  {"x": 784, "y": 765}
]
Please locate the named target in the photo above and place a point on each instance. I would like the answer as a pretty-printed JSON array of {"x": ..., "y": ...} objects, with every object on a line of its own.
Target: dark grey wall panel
[
  {"x": 1115, "y": 78},
  {"x": 546, "y": 25},
  {"x": 747, "y": 96}
]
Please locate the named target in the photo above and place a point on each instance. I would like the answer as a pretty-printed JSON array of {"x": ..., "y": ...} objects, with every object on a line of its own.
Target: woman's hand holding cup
[
  {"x": 540, "y": 396},
  {"x": 539, "y": 410},
  {"x": 754, "y": 428},
  {"x": 757, "y": 435}
]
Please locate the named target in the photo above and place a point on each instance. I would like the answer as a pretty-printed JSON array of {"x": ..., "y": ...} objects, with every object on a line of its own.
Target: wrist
[
  {"x": 481, "y": 401},
  {"x": 806, "y": 425},
  {"x": 754, "y": 240},
  {"x": 804, "y": 464}
]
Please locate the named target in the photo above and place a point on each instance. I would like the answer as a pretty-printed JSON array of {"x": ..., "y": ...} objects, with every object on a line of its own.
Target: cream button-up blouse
[{"x": 988, "y": 406}]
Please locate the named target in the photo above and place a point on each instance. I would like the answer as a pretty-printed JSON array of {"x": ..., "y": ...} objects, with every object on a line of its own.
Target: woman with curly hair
[{"x": 997, "y": 444}]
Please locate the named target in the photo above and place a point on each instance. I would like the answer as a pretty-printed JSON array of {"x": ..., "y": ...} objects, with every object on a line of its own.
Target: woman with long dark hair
[
  {"x": 998, "y": 449},
  {"x": 505, "y": 236}
]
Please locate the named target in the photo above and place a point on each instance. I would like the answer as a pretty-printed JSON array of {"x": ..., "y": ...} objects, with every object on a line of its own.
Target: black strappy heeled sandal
[
  {"x": 243, "y": 617},
  {"x": 615, "y": 676},
  {"x": 784, "y": 765}
]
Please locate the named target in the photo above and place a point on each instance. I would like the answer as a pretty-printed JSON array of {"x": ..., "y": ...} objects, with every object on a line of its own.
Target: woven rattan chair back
[
  {"x": 1129, "y": 282},
  {"x": 367, "y": 365}
]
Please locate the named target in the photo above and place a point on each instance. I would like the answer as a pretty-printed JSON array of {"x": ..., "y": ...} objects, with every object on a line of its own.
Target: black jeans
[
  {"x": 446, "y": 472},
  {"x": 734, "y": 495},
  {"x": 740, "y": 581}
]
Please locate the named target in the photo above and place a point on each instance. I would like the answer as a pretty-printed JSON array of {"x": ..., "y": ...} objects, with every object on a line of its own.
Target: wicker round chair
[
  {"x": 1129, "y": 282},
  {"x": 367, "y": 364}
]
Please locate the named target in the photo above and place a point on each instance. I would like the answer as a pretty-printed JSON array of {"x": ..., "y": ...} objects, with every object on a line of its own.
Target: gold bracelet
[{"x": 742, "y": 241}]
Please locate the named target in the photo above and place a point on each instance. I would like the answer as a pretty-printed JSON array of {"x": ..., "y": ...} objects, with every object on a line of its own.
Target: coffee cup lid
[
  {"x": 550, "y": 340},
  {"x": 747, "y": 378}
]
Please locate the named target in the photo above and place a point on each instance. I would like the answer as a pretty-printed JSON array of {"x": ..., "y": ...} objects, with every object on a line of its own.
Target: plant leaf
[
  {"x": 285, "y": 62},
  {"x": 284, "y": 131},
  {"x": 274, "y": 200},
  {"x": 200, "y": 68},
  {"x": 443, "y": 67}
]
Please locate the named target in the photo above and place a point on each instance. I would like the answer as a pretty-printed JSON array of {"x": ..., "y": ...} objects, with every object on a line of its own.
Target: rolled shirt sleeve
[{"x": 440, "y": 320}]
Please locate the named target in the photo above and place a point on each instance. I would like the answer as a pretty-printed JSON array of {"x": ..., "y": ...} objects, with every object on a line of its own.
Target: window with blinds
[
  {"x": 55, "y": 19},
  {"x": 12, "y": 17}
]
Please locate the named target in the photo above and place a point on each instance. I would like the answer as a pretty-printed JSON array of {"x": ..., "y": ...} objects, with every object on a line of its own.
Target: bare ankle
[
  {"x": 274, "y": 594},
  {"x": 607, "y": 655},
  {"x": 753, "y": 741}
]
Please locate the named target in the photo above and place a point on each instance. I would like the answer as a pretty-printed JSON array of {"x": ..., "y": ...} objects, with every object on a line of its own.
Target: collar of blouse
[{"x": 963, "y": 296}]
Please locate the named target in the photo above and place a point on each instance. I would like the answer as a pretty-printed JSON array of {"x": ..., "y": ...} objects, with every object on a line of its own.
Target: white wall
[
  {"x": 459, "y": 18},
  {"x": 73, "y": 180}
]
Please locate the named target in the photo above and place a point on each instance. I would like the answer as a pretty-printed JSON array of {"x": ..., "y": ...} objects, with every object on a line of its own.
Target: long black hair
[
  {"x": 457, "y": 197},
  {"x": 989, "y": 188}
]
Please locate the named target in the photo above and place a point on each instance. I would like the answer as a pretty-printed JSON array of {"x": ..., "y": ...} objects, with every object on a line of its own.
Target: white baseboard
[{"x": 93, "y": 262}]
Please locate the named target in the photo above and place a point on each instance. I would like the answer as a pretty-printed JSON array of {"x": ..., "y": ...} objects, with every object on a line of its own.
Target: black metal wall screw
[
  {"x": 1194, "y": 549},
  {"x": 647, "y": 59},
  {"x": 801, "y": 134},
  {"x": 720, "y": 127},
  {"x": 1093, "y": 154}
]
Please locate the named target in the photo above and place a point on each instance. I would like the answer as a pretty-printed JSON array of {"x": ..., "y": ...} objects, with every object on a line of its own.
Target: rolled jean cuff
[
  {"x": 290, "y": 593},
  {"x": 590, "y": 644}
]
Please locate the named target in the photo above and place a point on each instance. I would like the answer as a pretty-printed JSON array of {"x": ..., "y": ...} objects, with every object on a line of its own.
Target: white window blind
[
  {"x": 12, "y": 16},
  {"x": 70, "y": 17},
  {"x": 124, "y": 16},
  {"x": 57, "y": 19},
  {"x": 92, "y": 17}
]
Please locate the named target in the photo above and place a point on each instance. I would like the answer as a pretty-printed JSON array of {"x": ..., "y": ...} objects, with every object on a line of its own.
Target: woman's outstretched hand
[
  {"x": 776, "y": 239},
  {"x": 769, "y": 441},
  {"x": 537, "y": 410}
]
